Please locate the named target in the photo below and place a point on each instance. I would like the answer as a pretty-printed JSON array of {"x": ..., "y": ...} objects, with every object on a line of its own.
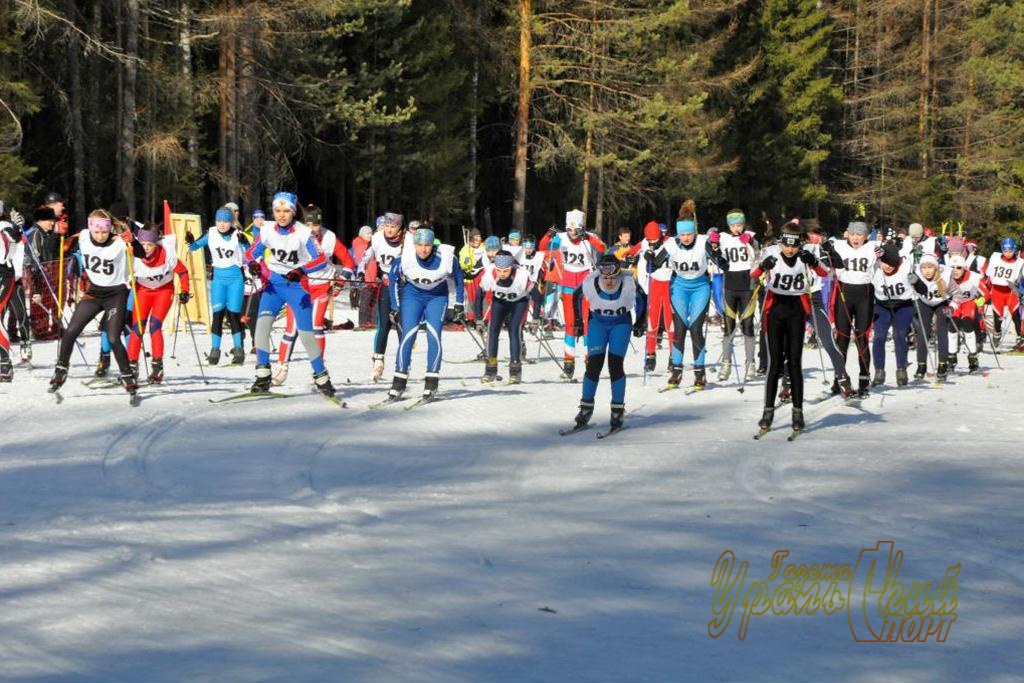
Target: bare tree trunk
[
  {"x": 131, "y": 35},
  {"x": 227, "y": 66},
  {"x": 923, "y": 91},
  {"x": 93, "y": 95},
  {"x": 245, "y": 156},
  {"x": 474, "y": 104},
  {"x": 185, "y": 44},
  {"x": 77, "y": 133},
  {"x": 523, "y": 115},
  {"x": 119, "y": 37},
  {"x": 588, "y": 147},
  {"x": 599, "y": 225}
]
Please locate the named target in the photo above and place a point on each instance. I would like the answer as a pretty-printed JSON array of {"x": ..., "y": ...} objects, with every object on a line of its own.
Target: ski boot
[
  {"x": 862, "y": 389},
  {"x": 490, "y": 371},
  {"x": 323, "y": 383},
  {"x": 922, "y": 370},
  {"x": 103, "y": 365},
  {"x": 676, "y": 376},
  {"x": 953, "y": 361},
  {"x": 972, "y": 363},
  {"x": 843, "y": 385},
  {"x": 378, "y": 366},
  {"x": 280, "y": 375},
  {"x": 765, "y": 423},
  {"x": 568, "y": 369},
  {"x": 585, "y": 413},
  {"x": 60, "y": 375},
  {"x": 26, "y": 352},
  {"x": 700, "y": 380},
  {"x": 749, "y": 371},
  {"x": 398, "y": 383},
  {"x": 6, "y": 370},
  {"x": 798, "y": 420},
  {"x": 724, "y": 370},
  {"x": 942, "y": 371},
  {"x": 515, "y": 372},
  {"x": 213, "y": 357},
  {"x": 761, "y": 371},
  {"x": 901, "y": 377},
  {"x": 130, "y": 382},
  {"x": 618, "y": 416},
  {"x": 1019, "y": 346},
  {"x": 133, "y": 366},
  {"x": 650, "y": 362},
  {"x": 263, "y": 379},
  {"x": 430, "y": 386},
  {"x": 879, "y": 378},
  {"x": 238, "y": 356},
  {"x": 156, "y": 374}
]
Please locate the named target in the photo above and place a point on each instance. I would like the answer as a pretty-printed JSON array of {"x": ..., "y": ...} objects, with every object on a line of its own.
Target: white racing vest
[
  {"x": 968, "y": 289},
  {"x": 225, "y": 252},
  {"x": 927, "y": 245},
  {"x": 425, "y": 278},
  {"x": 785, "y": 279},
  {"x": 740, "y": 256},
  {"x": 816, "y": 280},
  {"x": 893, "y": 287},
  {"x": 1002, "y": 273},
  {"x": 643, "y": 278},
  {"x": 931, "y": 297},
  {"x": 518, "y": 289},
  {"x": 975, "y": 263},
  {"x": 107, "y": 266},
  {"x": 688, "y": 264},
  {"x": 155, "y": 277},
  {"x": 384, "y": 253},
  {"x": 621, "y": 305},
  {"x": 328, "y": 241},
  {"x": 577, "y": 257},
  {"x": 534, "y": 265},
  {"x": 286, "y": 252},
  {"x": 858, "y": 264}
]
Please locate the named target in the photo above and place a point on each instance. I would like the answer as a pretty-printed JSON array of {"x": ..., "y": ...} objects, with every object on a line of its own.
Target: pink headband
[{"x": 98, "y": 223}]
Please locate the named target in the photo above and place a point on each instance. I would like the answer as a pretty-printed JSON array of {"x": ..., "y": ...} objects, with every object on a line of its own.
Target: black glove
[
  {"x": 183, "y": 297},
  {"x": 17, "y": 219},
  {"x": 649, "y": 255},
  {"x": 459, "y": 313},
  {"x": 255, "y": 268},
  {"x": 395, "y": 317},
  {"x": 878, "y": 252},
  {"x": 640, "y": 327},
  {"x": 577, "y": 328},
  {"x": 189, "y": 239},
  {"x": 828, "y": 247},
  {"x": 295, "y": 274},
  {"x": 912, "y": 278},
  {"x": 768, "y": 263},
  {"x": 808, "y": 258},
  {"x": 942, "y": 244}
]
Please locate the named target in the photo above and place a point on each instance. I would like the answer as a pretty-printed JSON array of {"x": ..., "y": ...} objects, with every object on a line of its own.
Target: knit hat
[
  {"x": 45, "y": 213},
  {"x": 492, "y": 243},
  {"x": 366, "y": 232},
  {"x": 575, "y": 219},
  {"x": 224, "y": 214},
  {"x": 148, "y": 235},
  {"x": 515, "y": 235},
  {"x": 957, "y": 261},
  {"x": 503, "y": 260},
  {"x": 288, "y": 199},
  {"x": 652, "y": 233},
  {"x": 928, "y": 258},
  {"x": 232, "y": 206},
  {"x": 258, "y": 213},
  {"x": 916, "y": 230},
  {"x": 890, "y": 255}
]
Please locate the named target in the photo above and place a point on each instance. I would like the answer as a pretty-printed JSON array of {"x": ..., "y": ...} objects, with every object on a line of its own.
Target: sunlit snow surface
[{"x": 291, "y": 540}]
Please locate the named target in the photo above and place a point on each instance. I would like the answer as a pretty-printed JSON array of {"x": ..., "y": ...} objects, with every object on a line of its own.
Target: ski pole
[
  {"x": 49, "y": 287},
  {"x": 195, "y": 345},
  {"x": 138, "y": 314}
]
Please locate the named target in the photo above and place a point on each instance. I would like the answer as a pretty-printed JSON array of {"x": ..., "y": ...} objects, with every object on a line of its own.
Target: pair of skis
[
  {"x": 247, "y": 396},
  {"x": 391, "y": 400},
  {"x": 600, "y": 435}
]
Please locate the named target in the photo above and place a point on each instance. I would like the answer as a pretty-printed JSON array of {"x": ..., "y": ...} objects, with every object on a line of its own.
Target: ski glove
[
  {"x": 395, "y": 317},
  {"x": 189, "y": 238},
  {"x": 640, "y": 327},
  {"x": 184, "y": 297},
  {"x": 808, "y": 258},
  {"x": 577, "y": 328},
  {"x": 255, "y": 268},
  {"x": 768, "y": 263},
  {"x": 459, "y": 313},
  {"x": 295, "y": 274}
]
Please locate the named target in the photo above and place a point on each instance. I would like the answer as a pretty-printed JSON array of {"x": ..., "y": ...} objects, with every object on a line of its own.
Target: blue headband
[
  {"x": 224, "y": 214},
  {"x": 423, "y": 236},
  {"x": 503, "y": 260},
  {"x": 286, "y": 198},
  {"x": 684, "y": 227},
  {"x": 258, "y": 213},
  {"x": 492, "y": 242},
  {"x": 515, "y": 235}
]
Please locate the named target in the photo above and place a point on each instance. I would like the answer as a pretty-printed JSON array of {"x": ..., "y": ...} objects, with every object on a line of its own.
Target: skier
[
  {"x": 1004, "y": 272},
  {"x": 385, "y": 249},
  {"x": 533, "y": 264},
  {"x": 853, "y": 262},
  {"x": 154, "y": 278},
  {"x": 967, "y": 299},
  {"x": 655, "y": 281},
  {"x": 688, "y": 255},
  {"x": 227, "y": 247},
  {"x": 509, "y": 286},
  {"x": 289, "y": 251},
  {"x": 894, "y": 308},
  {"x": 610, "y": 298},
  {"x": 10, "y": 236},
  {"x": 105, "y": 271},
  {"x": 784, "y": 317},
  {"x": 917, "y": 244},
  {"x": 577, "y": 248},
  {"x": 738, "y": 247},
  {"x": 932, "y": 286},
  {"x": 822, "y": 331},
  {"x": 419, "y": 293},
  {"x": 471, "y": 263},
  {"x": 321, "y": 282}
]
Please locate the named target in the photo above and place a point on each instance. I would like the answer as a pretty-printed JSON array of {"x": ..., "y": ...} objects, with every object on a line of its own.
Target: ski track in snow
[{"x": 465, "y": 540}]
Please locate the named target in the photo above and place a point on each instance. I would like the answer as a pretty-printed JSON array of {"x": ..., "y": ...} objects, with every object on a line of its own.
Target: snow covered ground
[{"x": 467, "y": 541}]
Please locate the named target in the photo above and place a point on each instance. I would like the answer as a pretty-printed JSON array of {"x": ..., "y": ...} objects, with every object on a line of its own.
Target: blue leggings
[
  {"x": 611, "y": 336},
  {"x": 418, "y": 306},
  {"x": 226, "y": 297},
  {"x": 689, "y": 309},
  {"x": 899, "y": 319},
  {"x": 277, "y": 294}
]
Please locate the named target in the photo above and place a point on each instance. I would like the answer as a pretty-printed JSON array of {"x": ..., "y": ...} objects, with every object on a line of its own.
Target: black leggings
[
  {"x": 252, "y": 309},
  {"x": 737, "y": 304},
  {"x": 515, "y": 313},
  {"x": 17, "y": 315},
  {"x": 234, "y": 321},
  {"x": 923, "y": 326},
  {"x": 595, "y": 363},
  {"x": 784, "y": 339},
  {"x": 110, "y": 300},
  {"x": 853, "y": 308},
  {"x": 380, "y": 340}
]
